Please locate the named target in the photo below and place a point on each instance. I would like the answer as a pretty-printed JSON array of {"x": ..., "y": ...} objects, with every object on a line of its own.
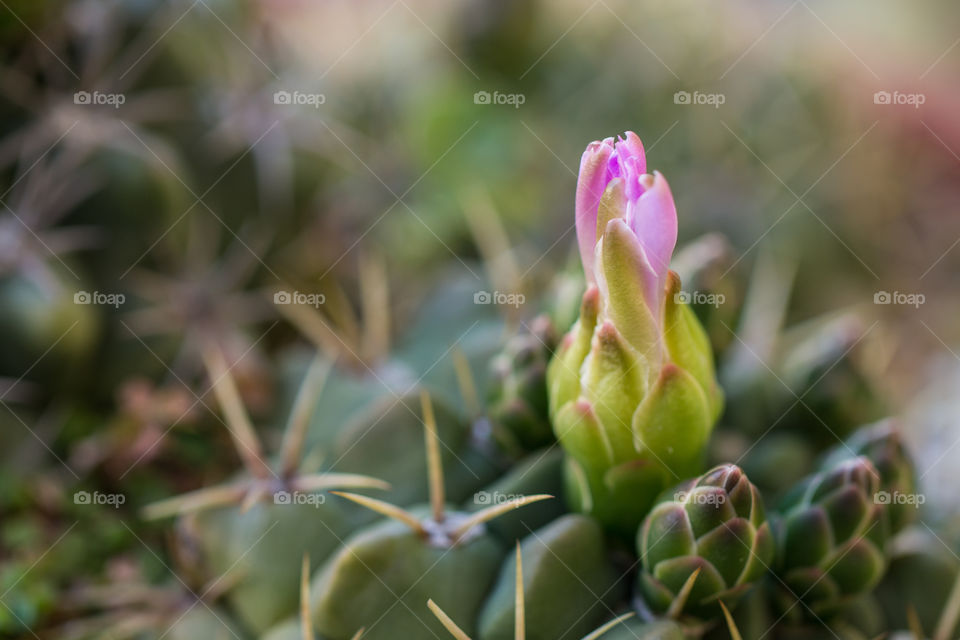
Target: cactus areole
[{"x": 633, "y": 394}]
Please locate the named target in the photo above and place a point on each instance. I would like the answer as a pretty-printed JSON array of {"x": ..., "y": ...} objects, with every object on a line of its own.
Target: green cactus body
[
  {"x": 382, "y": 576},
  {"x": 569, "y": 585},
  {"x": 517, "y": 400},
  {"x": 370, "y": 444},
  {"x": 265, "y": 545},
  {"x": 714, "y": 523},
  {"x": 541, "y": 472},
  {"x": 830, "y": 539},
  {"x": 883, "y": 445}
]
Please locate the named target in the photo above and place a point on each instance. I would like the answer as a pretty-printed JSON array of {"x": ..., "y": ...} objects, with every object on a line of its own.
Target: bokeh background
[{"x": 169, "y": 167}]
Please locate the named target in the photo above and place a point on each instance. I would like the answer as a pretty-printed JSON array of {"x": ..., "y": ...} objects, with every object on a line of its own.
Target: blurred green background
[{"x": 167, "y": 167}]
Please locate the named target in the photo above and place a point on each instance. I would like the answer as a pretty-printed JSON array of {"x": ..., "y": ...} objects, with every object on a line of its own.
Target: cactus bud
[
  {"x": 714, "y": 524},
  {"x": 883, "y": 445},
  {"x": 633, "y": 396},
  {"x": 518, "y": 394},
  {"x": 830, "y": 538}
]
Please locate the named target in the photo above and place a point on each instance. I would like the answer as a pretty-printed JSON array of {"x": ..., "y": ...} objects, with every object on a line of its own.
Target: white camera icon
[
  {"x": 482, "y": 297},
  {"x": 882, "y": 297},
  {"x": 481, "y": 97},
  {"x": 81, "y": 97},
  {"x": 282, "y": 97},
  {"x": 881, "y": 497},
  {"x": 81, "y": 297},
  {"x": 681, "y": 97},
  {"x": 81, "y": 497},
  {"x": 482, "y": 497},
  {"x": 282, "y": 497},
  {"x": 282, "y": 297},
  {"x": 882, "y": 97},
  {"x": 681, "y": 297}
]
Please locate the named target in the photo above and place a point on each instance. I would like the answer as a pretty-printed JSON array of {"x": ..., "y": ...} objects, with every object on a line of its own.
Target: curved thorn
[
  {"x": 496, "y": 510},
  {"x": 385, "y": 509},
  {"x": 948, "y": 619},
  {"x": 610, "y": 625},
  {"x": 306, "y": 624},
  {"x": 676, "y": 607},
  {"x": 198, "y": 500},
  {"x": 310, "y": 389},
  {"x": 731, "y": 625},
  {"x": 465, "y": 381},
  {"x": 434, "y": 464},
  {"x": 447, "y": 623},
  {"x": 238, "y": 421},
  {"x": 331, "y": 480},
  {"x": 520, "y": 613}
]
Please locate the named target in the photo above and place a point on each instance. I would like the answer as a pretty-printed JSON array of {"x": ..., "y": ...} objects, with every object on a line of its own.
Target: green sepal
[
  {"x": 673, "y": 422},
  {"x": 624, "y": 266},
  {"x": 563, "y": 372},
  {"x": 688, "y": 345},
  {"x": 615, "y": 384}
]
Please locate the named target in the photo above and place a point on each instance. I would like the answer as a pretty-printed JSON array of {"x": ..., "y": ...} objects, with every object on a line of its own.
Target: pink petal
[
  {"x": 594, "y": 175},
  {"x": 653, "y": 218}
]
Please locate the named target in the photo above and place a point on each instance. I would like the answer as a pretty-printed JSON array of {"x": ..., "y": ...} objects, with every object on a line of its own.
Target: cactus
[
  {"x": 398, "y": 563},
  {"x": 830, "y": 539},
  {"x": 715, "y": 526},
  {"x": 882, "y": 444},
  {"x": 621, "y": 412},
  {"x": 518, "y": 625},
  {"x": 263, "y": 538}
]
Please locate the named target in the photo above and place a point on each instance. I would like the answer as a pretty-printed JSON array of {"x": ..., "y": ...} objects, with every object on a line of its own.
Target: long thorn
[
  {"x": 375, "y": 299},
  {"x": 313, "y": 382},
  {"x": 198, "y": 500},
  {"x": 447, "y": 623},
  {"x": 434, "y": 465},
  {"x": 384, "y": 508},
  {"x": 238, "y": 422},
  {"x": 913, "y": 621},
  {"x": 731, "y": 625},
  {"x": 358, "y": 634},
  {"x": 331, "y": 480},
  {"x": 948, "y": 619},
  {"x": 610, "y": 625},
  {"x": 520, "y": 613},
  {"x": 306, "y": 624},
  {"x": 468, "y": 387},
  {"x": 492, "y": 240},
  {"x": 676, "y": 607},
  {"x": 492, "y": 512}
]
